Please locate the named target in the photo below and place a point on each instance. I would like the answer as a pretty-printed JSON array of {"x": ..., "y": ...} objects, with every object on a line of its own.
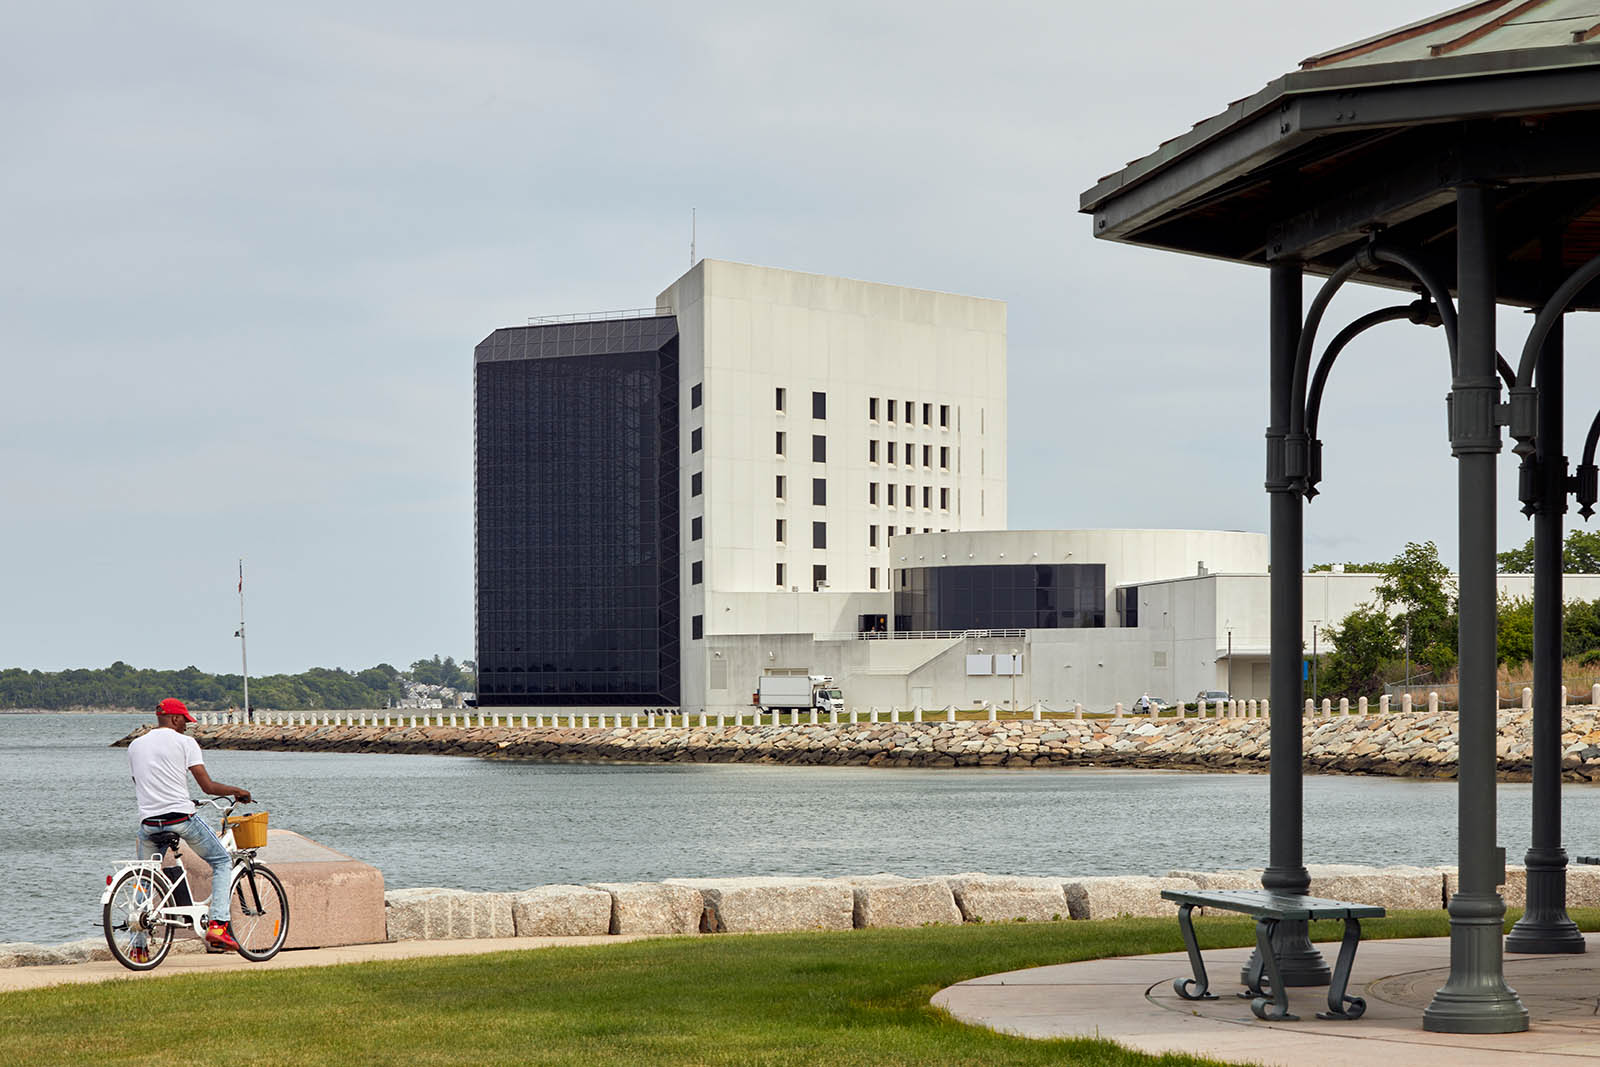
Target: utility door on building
[{"x": 922, "y": 696}]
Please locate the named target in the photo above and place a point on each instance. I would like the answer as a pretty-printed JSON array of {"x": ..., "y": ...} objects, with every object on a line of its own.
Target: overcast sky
[{"x": 247, "y": 256}]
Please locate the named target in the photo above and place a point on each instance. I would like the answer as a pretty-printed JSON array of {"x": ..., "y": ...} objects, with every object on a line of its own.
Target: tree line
[
  {"x": 1411, "y": 624},
  {"x": 123, "y": 686}
]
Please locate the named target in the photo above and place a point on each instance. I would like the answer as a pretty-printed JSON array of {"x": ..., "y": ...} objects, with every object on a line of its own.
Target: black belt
[{"x": 172, "y": 818}]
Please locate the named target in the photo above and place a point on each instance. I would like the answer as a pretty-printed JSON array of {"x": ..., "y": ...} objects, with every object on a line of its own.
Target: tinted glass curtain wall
[
  {"x": 577, "y": 514},
  {"x": 1005, "y": 597}
]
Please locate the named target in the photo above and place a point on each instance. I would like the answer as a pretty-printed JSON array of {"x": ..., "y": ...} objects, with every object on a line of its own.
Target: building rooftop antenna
[{"x": 691, "y": 236}]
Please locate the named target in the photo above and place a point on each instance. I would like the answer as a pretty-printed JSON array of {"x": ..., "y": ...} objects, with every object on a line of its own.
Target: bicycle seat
[{"x": 165, "y": 839}]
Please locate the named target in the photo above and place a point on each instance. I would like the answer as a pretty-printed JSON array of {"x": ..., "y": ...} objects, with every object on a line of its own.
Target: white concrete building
[{"x": 820, "y": 418}]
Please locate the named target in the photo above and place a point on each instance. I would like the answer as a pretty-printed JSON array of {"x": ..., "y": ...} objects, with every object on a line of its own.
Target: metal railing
[
  {"x": 921, "y": 635},
  {"x": 599, "y": 316}
]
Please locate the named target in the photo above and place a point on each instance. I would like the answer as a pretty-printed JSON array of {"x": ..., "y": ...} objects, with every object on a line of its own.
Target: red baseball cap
[{"x": 174, "y": 706}]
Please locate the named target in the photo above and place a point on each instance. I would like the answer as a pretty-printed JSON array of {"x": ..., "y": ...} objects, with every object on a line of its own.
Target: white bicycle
[{"x": 144, "y": 902}]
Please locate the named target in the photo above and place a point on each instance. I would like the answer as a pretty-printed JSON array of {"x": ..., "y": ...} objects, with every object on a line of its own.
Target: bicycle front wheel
[
  {"x": 136, "y": 939},
  {"x": 259, "y": 913}
]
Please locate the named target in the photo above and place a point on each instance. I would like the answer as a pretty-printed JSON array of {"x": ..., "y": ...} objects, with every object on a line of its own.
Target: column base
[
  {"x": 1545, "y": 926},
  {"x": 1299, "y": 961},
  {"x": 1476, "y": 999}
]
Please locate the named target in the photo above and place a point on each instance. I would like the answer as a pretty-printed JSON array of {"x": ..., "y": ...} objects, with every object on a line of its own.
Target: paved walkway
[
  {"x": 13, "y": 978},
  {"x": 1130, "y": 1000}
]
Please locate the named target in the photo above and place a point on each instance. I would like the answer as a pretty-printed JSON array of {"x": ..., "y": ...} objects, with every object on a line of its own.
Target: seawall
[{"x": 1418, "y": 744}]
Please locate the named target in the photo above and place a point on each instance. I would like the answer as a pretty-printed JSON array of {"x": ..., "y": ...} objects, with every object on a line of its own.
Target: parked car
[
  {"x": 1211, "y": 696},
  {"x": 1148, "y": 705}
]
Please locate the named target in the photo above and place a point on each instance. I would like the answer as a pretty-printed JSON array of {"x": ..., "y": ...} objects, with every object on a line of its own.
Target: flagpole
[{"x": 244, "y": 661}]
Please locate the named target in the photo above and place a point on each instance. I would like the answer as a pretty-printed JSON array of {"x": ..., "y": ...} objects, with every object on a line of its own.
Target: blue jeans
[{"x": 199, "y": 835}]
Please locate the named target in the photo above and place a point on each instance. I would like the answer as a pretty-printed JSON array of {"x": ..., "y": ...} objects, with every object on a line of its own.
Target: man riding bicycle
[{"x": 158, "y": 761}]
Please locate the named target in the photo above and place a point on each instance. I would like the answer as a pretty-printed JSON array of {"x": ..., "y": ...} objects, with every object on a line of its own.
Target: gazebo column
[
  {"x": 1300, "y": 963},
  {"x": 1476, "y": 999},
  {"x": 1546, "y": 927}
]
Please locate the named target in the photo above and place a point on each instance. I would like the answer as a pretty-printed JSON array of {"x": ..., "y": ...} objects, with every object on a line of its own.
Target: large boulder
[
  {"x": 561, "y": 911},
  {"x": 1409, "y": 888},
  {"x": 890, "y": 900},
  {"x": 333, "y": 899},
  {"x": 653, "y": 908},
  {"x": 435, "y": 914},
  {"x": 768, "y": 905},
  {"x": 1007, "y": 898},
  {"x": 1109, "y": 897}
]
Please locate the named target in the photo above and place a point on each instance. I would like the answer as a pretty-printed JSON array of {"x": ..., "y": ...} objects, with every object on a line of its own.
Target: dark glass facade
[
  {"x": 1005, "y": 597},
  {"x": 577, "y": 514}
]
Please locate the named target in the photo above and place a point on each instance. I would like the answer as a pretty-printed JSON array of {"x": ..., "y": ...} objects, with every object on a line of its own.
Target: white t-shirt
[{"x": 160, "y": 762}]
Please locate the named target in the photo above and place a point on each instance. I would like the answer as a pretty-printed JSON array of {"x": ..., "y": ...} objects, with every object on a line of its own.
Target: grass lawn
[{"x": 830, "y": 998}]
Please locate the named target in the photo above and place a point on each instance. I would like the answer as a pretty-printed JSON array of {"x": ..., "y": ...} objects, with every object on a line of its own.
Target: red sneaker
[{"x": 220, "y": 935}]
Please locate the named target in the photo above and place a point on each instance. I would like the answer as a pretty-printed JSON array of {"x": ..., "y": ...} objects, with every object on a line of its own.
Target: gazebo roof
[{"x": 1375, "y": 135}]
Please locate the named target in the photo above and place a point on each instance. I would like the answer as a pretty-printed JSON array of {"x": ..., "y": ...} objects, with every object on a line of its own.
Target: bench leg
[
  {"x": 1339, "y": 1005},
  {"x": 1195, "y": 988},
  {"x": 1277, "y": 1008}
]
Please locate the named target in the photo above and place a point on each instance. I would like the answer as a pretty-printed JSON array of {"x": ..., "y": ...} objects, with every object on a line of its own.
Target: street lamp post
[
  {"x": 1013, "y": 681},
  {"x": 1230, "y": 662},
  {"x": 1314, "y": 624}
]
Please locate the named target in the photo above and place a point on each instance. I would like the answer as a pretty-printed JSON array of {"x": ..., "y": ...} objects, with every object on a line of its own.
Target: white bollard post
[
  {"x": 833, "y": 716},
  {"x": 633, "y": 720},
  {"x": 916, "y": 713},
  {"x": 650, "y": 719},
  {"x": 1527, "y": 699},
  {"x": 813, "y": 716},
  {"x": 1266, "y": 708},
  {"x": 854, "y": 714},
  {"x": 1344, "y": 706},
  {"x": 950, "y": 713},
  {"x": 993, "y": 713},
  {"x": 1038, "y": 713},
  {"x": 872, "y": 715},
  {"x": 1405, "y": 702},
  {"x": 1077, "y": 711},
  {"x": 1594, "y": 695},
  {"x": 1361, "y": 706},
  {"x": 1433, "y": 703},
  {"x": 1327, "y": 708},
  {"x": 1563, "y": 696},
  {"x": 1255, "y": 709},
  {"x": 1383, "y": 704},
  {"x": 1116, "y": 710},
  {"x": 1180, "y": 709}
]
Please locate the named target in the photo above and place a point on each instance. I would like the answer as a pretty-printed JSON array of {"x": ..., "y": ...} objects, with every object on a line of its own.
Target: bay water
[{"x": 67, "y": 818}]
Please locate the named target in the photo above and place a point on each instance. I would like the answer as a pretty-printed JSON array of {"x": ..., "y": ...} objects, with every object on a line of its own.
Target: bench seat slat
[{"x": 1262, "y": 902}]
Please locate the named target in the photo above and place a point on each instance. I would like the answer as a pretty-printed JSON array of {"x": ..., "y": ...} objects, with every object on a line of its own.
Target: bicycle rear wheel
[
  {"x": 259, "y": 913},
  {"x": 129, "y": 919}
]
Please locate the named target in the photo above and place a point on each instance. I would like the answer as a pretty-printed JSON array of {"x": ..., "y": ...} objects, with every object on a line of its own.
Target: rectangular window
[
  {"x": 944, "y": 416},
  {"x": 872, "y": 451},
  {"x": 927, "y": 455},
  {"x": 819, "y": 576},
  {"x": 911, "y": 499},
  {"x": 911, "y": 454},
  {"x": 819, "y": 491},
  {"x": 696, "y": 439},
  {"x": 891, "y": 448},
  {"x": 891, "y": 410},
  {"x": 872, "y": 536},
  {"x": 927, "y": 414},
  {"x": 927, "y": 496},
  {"x": 694, "y": 395},
  {"x": 892, "y": 489},
  {"x": 695, "y": 525},
  {"x": 819, "y": 405},
  {"x": 696, "y": 573},
  {"x": 872, "y": 577},
  {"x": 695, "y": 483},
  {"x": 697, "y": 627},
  {"x": 819, "y": 448},
  {"x": 780, "y": 575},
  {"x": 872, "y": 408},
  {"x": 782, "y": 531},
  {"x": 780, "y": 487},
  {"x": 944, "y": 500},
  {"x": 911, "y": 413},
  {"x": 779, "y": 443},
  {"x": 779, "y": 398},
  {"x": 819, "y": 535},
  {"x": 872, "y": 492},
  {"x": 944, "y": 457},
  {"x": 891, "y": 531}
]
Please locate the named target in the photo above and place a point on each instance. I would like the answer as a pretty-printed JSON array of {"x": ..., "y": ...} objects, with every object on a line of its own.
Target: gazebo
[{"x": 1456, "y": 159}]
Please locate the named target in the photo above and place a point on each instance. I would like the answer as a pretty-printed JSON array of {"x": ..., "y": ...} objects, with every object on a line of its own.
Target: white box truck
[{"x": 798, "y": 692}]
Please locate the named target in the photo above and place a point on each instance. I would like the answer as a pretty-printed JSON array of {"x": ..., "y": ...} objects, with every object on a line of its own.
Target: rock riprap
[{"x": 1415, "y": 744}]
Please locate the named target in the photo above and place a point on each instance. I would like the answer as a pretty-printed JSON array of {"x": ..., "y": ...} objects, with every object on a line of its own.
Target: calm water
[{"x": 477, "y": 824}]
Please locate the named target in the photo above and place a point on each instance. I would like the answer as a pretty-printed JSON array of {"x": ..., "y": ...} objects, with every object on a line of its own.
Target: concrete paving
[
  {"x": 1131, "y": 1001},
  {"x": 14, "y": 978}
]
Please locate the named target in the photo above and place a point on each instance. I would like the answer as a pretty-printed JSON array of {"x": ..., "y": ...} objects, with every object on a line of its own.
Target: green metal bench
[{"x": 1269, "y": 1000}]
